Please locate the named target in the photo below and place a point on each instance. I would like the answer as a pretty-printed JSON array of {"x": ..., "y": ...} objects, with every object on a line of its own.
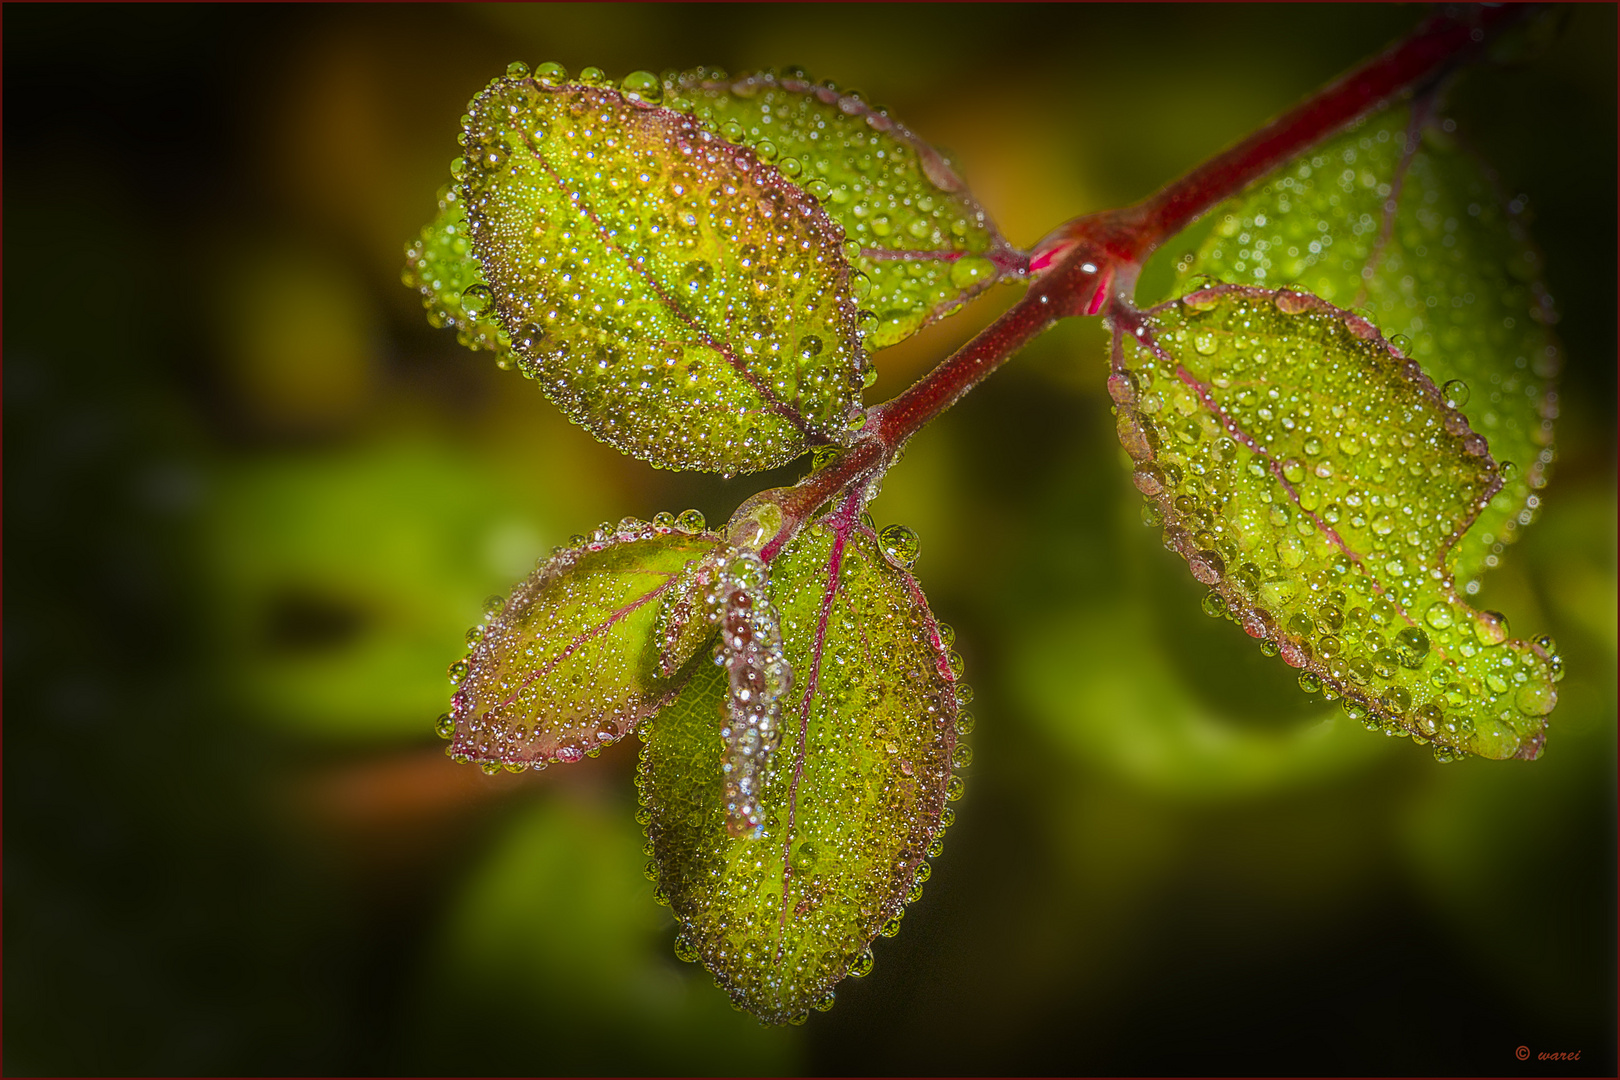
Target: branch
[{"x": 1090, "y": 264}]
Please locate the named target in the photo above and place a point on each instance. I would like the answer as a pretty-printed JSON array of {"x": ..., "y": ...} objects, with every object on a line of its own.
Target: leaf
[
  {"x": 441, "y": 266},
  {"x": 924, "y": 244},
  {"x": 1422, "y": 241},
  {"x": 1315, "y": 480},
  {"x": 849, "y": 804},
  {"x": 676, "y": 296},
  {"x": 570, "y": 663}
]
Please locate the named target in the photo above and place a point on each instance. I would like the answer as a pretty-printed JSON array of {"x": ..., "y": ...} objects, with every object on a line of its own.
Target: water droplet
[
  {"x": 477, "y": 299},
  {"x": 962, "y": 756},
  {"x": 1490, "y": 627},
  {"x": 517, "y": 69},
  {"x": 1309, "y": 682},
  {"x": 863, "y": 964},
  {"x": 900, "y": 543},
  {"x": 1214, "y": 605},
  {"x": 1438, "y": 615},
  {"x": 1536, "y": 699},
  {"x": 1291, "y": 302},
  {"x": 825, "y": 1003},
  {"x": 1205, "y": 343},
  {"x": 593, "y": 76},
  {"x": 964, "y": 723},
  {"x": 691, "y": 521},
  {"x": 685, "y": 951},
  {"x": 643, "y": 86},
  {"x": 446, "y": 726},
  {"x": 955, "y": 788},
  {"x": 804, "y": 857},
  {"x": 1455, "y": 392},
  {"x": 550, "y": 74},
  {"x": 1412, "y": 645},
  {"x": 970, "y": 270}
]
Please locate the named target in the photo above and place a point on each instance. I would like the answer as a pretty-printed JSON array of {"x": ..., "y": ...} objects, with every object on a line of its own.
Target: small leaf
[
  {"x": 441, "y": 266},
  {"x": 672, "y": 293},
  {"x": 849, "y": 803},
  {"x": 1315, "y": 480},
  {"x": 923, "y": 243},
  {"x": 1405, "y": 225},
  {"x": 569, "y": 663}
]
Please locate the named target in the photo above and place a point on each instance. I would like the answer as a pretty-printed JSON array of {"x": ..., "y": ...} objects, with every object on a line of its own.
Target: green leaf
[
  {"x": 672, "y": 293},
  {"x": 570, "y": 662},
  {"x": 849, "y": 803},
  {"x": 1315, "y": 480},
  {"x": 1424, "y": 243},
  {"x": 441, "y": 266},
  {"x": 925, "y": 246}
]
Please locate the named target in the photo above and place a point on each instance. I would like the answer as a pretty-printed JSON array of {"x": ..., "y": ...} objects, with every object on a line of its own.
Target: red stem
[
  {"x": 1430, "y": 49},
  {"x": 1090, "y": 264}
]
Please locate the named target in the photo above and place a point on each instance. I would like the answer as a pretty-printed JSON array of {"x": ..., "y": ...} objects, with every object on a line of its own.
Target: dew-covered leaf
[
  {"x": 570, "y": 662},
  {"x": 1315, "y": 480},
  {"x": 925, "y": 246},
  {"x": 674, "y": 294},
  {"x": 1405, "y": 225},
  {"x": 441, "y": 266},
  {"x": 848, "y": 804}
]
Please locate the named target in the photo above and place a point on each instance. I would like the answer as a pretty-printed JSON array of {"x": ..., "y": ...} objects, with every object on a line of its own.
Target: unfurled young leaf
[
  {"x": 924, "y": 246},
  {"x": 1315, "y": 479},
  {"x": 1398, "y": 221},
  {"x": 849, "y": 803},
  {"x": 673, "y": 293},
  {"x": 571, "y": 662}
]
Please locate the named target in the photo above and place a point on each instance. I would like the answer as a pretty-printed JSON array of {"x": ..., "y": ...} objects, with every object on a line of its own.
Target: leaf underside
[
  {"x": 850, "y": 802},
  {"x": 1315, "y": 480},
  {"x": 672, "y": 293},
  {"x": 924, "y": 245},
  {"x": 571, "y": 661},
  {"x": 1399, "y": 222}
]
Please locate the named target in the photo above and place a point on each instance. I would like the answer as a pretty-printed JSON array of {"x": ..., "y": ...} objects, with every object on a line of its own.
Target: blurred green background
[{"x": 253, "y": 501}]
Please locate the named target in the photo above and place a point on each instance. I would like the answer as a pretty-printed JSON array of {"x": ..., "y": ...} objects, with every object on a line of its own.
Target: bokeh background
[{"x": 252, "y": 501}]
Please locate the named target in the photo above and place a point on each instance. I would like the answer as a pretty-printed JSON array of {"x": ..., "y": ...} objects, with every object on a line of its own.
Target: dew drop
[
  {"x": 446, "y": 726},
  {"x": 476, "y": 299},
  {"x": 1438, "y": 615},
  {"x": 643, "y": 86},
  {"x": 970, "y": 270},
  {"x": 901, "y": 544},
  {"x": 1455, "y": 392},
  {"x": 691, "y": 521}
]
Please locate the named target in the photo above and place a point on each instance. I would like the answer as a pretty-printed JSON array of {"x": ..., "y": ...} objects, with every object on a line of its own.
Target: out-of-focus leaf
[
  {"x": 554, "y": 938},
  {"x": 442, "y": 267},
  {"x": 1315, "y": 479},
  {"x": 1404, "y": 225},
  {"x": 924, "y": 244},
  {"x": 851, "y": 801},
  {"x": 674, "y": 294},
  {"x": 338, "y": 580},
  {"x": 570, "y": 662}
]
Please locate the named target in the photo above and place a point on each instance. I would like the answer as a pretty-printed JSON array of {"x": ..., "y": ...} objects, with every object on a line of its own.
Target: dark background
[{"x": 252, "y": 500}]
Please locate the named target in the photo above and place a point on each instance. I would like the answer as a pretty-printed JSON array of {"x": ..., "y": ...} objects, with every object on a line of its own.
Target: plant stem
[
  {"x": 1427, "y": 52},
  {"x": 1089, "y": 265}
]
